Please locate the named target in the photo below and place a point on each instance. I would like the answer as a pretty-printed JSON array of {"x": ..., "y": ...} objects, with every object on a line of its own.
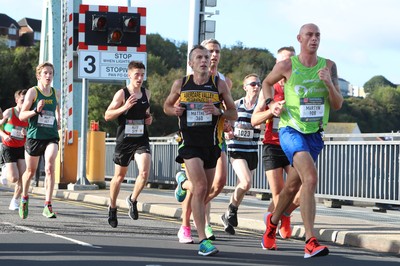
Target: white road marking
[{"x": 53, "y": 235}]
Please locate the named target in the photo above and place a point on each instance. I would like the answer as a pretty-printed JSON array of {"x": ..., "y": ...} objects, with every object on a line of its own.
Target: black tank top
[
  {"x": 131, "y": 123},
  {"x": 198, "y": 129}
]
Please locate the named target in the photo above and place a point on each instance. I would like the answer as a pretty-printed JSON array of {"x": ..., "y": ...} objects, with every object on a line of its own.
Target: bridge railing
[{"x": 360, "y": 167}]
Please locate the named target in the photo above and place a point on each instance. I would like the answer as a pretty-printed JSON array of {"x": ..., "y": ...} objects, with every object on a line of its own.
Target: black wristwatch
[
  {"x": 36, "y": 111},
  {"x": 268, "y": 101}
]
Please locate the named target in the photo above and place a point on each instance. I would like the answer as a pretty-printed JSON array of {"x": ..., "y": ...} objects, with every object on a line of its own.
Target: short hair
[
  {"x": 200, "y": 47},
  {"x": 19, "y": 93},
  {"x": 213, "y": 41},
  {"x": 136, "y": 64},
  {"x": 40, "y": 67},
  {"x": 287, "y": 48},
  {"x": 251, "y": 75}
]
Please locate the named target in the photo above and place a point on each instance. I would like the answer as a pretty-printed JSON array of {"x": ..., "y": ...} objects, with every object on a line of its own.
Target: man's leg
[
  {"x": 244, "y": 180},
  {"x": 143, "y": 162},
  {"x": 50, "y": 155},
  {"x": 115, "y": 184},
  {"x": 229, "y": 218},
  {"x": 18, "y": 185},
  {"x": 31, "y": 165},
  {"x": 305, "y": 166},
  {"x": 217, "y": 184},
  {"x": 219, "y": 181},
  {"x": 276, "y": 183},
  {"x": 198, "y": 178},
  {"x": 286, "y": 197},
  {"x": 287, "y": 194}
]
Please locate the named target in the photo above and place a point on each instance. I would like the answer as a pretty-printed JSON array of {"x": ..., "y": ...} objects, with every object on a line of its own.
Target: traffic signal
[
  {"x": 112, "y": 29},
  {"x": 115, "y": 36},
  {"x": 99, "y": 22},
  {"x": 131, "y": 23}
]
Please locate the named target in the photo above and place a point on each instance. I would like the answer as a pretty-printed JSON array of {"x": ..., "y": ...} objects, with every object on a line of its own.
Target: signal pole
[{"x": 199, "y": 28}]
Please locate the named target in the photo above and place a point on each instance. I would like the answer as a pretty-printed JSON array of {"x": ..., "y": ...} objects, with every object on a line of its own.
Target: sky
[{"x": 361, "y": 36}]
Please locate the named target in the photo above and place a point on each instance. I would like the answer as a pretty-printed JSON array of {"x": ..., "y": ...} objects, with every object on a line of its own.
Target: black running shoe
[
  {"x": 227, "y": 227},
  {"x": 112, "y": 217},
  {"x": 232, "y": 216},
  {"x": 133, "y": 212}
]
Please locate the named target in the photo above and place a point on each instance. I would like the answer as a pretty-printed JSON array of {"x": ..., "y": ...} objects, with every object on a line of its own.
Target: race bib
[
  {"x": 275, "y": 124},
  {"x": 311, "y": 109},
  {"x": 16, "y": 133},
  {"x": 134, "y": 128},
  {"x": 46, "y": 119},
  {"x": 195, "y": 116},
  {"x": 243, "y": 133}
]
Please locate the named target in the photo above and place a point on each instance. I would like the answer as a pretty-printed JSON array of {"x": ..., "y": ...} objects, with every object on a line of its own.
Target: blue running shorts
[{"x": 293, "y": 141}]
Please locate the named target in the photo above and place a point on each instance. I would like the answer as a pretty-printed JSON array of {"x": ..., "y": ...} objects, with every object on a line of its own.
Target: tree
[
  {"x": 100, "y": 97},
  {"x": 376, "y": 82}
]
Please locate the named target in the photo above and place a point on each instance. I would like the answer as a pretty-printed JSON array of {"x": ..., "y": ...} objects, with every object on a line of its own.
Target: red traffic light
[
  {"x": 99, "y": 23},
  {"x": 130, "y": 23},
  {"x": 114, "y": 36}
]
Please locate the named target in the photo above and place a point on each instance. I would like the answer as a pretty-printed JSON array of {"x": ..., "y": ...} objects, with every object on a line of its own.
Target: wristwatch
[
  {"x": 222, "y": 112},
  {"x": 268, "y": 101},
  {"x": 36, "y": 111}
]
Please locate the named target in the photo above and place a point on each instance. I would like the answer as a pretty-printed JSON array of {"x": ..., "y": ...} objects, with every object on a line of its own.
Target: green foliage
[
  {"x": 379, "y": 112},
  {"x": 100, "y": 97},
  {"x": 377, "y": 82},
  {"x": 166, "y": 62},
  {"x": 17, "y": 68},
  {"x": 165, "y": 49},
  {"x": 160, "y": 86}
]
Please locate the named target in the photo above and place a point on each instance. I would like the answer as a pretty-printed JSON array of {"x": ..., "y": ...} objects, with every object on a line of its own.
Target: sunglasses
[{"x": 253, "y": 84}]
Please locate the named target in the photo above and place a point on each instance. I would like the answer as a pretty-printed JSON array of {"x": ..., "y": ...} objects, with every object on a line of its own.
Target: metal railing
[{"x": 362, "y": 170}]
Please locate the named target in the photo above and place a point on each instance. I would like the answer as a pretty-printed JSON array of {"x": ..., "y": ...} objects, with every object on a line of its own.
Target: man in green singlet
[{"x": 311, "y": 89}]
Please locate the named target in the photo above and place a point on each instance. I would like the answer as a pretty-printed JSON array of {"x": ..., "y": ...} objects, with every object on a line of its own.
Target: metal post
[
  {"x": 82, "y": 180},
  {"x": 194, "y": 29}
]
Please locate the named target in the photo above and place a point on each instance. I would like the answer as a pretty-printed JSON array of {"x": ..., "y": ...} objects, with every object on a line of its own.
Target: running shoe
[
  {"x": 269, "y": 238},
  {"x": 185, "y": 235},
  {"x": 206, "y": 248},
  {"x": 23, "y": 208},
  {"x": 227, "y": 227},
  {"x": 112, "y": 217},
  {"x": 133, "y": 211},
  {"x": 48, "y": 212},
  {"x": 232, "y": 216},
  {"x": 285, "y": 231},
  {"x": 209, "y": 232},
  {"x": 14, "y": 204},
  {"x": 314, "y": 249},
  {"x": 180, "y": 193}
]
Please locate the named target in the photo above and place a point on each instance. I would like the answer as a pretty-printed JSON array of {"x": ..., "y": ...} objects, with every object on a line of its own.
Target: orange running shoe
[
  {"x": 314, "y": 249},
  {"x": 285, "y": 231},
  {"x": 269, "y": 238}
]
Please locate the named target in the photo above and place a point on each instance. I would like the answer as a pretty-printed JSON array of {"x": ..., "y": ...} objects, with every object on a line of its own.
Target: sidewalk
[{"x": 349, "y": 225}]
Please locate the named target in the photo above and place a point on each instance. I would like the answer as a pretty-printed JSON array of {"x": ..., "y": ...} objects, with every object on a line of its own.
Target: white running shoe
[{"x": 14, "y": 204}]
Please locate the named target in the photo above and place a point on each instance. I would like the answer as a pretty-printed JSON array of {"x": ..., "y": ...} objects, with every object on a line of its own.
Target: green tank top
[
  {"x": 307, "y": 105},
  {"x": 44, "y": 125}
]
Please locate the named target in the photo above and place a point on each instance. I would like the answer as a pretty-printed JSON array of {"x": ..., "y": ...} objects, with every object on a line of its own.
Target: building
[
  {"x": 29, "y": 32},
  {"x": 345, "y": 87},
  {"x": 346, "y": 129},
  {"x": 9, "y": 29}
]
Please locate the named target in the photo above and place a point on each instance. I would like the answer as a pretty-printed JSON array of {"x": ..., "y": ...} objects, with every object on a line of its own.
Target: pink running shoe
[{"x": 185, "y": 235}]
